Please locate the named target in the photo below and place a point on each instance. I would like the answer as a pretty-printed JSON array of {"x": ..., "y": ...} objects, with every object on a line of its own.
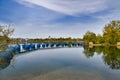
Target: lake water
[{"x": 98, "y": 63}]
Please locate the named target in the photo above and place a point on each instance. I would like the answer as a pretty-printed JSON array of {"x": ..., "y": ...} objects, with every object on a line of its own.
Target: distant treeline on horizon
[{"x": 44, "y": 40}]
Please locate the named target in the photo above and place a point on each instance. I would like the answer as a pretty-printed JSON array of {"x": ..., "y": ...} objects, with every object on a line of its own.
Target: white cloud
[
  {"x": 70, "y": 7},
  {"x": 24, "y": 3},
  {"x": 113, "y": 15},
  {"x": 37, "y": 23}
]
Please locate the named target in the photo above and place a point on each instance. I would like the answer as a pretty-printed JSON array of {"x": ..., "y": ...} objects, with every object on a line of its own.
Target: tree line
[
  {"x": 111, "y": 34},
  {"x": 45, "y": 40}
]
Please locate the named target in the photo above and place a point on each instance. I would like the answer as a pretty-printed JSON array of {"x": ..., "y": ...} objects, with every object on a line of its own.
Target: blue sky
[{"x": 57, "y": 18}]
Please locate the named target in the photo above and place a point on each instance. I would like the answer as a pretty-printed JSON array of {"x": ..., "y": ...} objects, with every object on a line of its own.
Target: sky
[{"x": 57, "y": 18}]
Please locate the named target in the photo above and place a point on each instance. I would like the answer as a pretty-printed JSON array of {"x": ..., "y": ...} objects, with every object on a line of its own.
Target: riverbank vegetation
[
  {"x": 46, "y": 40},
  {"x": 5, "y": 33},
  {"x": 111, "y": 34}
]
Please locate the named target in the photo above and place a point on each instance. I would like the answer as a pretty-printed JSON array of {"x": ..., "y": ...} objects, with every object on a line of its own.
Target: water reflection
[
  {"x": 3, "y": 46},
  {"x": 4, "y": 60},
  {"x": 4, "y": 63},
  {"x": 59, "y": 64},
  {"x": 111, "y": 55}
]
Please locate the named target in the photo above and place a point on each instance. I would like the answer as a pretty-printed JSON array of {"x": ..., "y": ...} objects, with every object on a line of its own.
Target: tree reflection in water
[
  {"x": 111, "y": 55},
  {"x": 3, "y": 61}
]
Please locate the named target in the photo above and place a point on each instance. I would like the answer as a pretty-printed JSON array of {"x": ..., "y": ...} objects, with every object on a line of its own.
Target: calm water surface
[{"x": 65, "y": 64}]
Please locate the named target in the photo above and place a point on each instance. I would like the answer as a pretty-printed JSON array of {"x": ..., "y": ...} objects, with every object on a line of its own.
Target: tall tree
[
  {"x": 99, "y": 39},
  {"x": 111, "y": 32},
  {"x": 5, "y": 32},
  {"x": 89, "y": 36}
]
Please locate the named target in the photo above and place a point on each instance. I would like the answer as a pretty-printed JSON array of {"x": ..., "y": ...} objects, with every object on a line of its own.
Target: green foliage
[
  {"x": 111, "y": 34},
  {"x": 47, "y": 40},
  {"x": 99, "y": 39},
  {"x": 89, "y": 37}
]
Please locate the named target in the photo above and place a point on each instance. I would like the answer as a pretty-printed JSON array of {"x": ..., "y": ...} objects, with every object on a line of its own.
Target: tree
[
  {"x": 5, "y": 32},
  {"x": 89, "y": 36},
  {"x": 111, "y": 32},
  {"x": 99, "y": 39}
]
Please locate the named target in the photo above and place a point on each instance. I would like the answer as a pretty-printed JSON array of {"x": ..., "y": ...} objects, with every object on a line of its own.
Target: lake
[{"x": 77, "y": 63}]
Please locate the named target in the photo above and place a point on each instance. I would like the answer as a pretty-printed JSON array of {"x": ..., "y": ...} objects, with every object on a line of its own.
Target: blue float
[
  {"x": 74, "y": 44},
  {"x": 32, "y": 46},
  {"x": 79, "y": 44},
  {"x": 17, "y": 48},
  {"x": 38, "y": 46},
  {"x": 66, "y": 44},
  {"x": 26, "y": 47},
  {"x": 43, "y": 45},
  {"x": 47, "y": 45},
  {"x": 6, "y": 55},
  {"x": 57, "y": 44},
  {"x": 10, "y": 49},
  {"x": 63, "y": 44},
  {"x": 51, "y": 45}
]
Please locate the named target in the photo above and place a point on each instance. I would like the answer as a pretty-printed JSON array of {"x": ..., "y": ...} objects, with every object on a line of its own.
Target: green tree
[
  {"x": 99, "y": 39},
  {"x": 89, "y": 36},
  {"x": 111, "y": 32}
]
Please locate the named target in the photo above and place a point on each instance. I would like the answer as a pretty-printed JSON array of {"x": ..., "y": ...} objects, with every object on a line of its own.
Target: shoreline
[{"x": 105, "y": 45}]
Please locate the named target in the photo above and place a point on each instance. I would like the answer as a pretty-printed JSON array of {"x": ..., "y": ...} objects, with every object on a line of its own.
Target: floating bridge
[{"x": 22, "y": 48}]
